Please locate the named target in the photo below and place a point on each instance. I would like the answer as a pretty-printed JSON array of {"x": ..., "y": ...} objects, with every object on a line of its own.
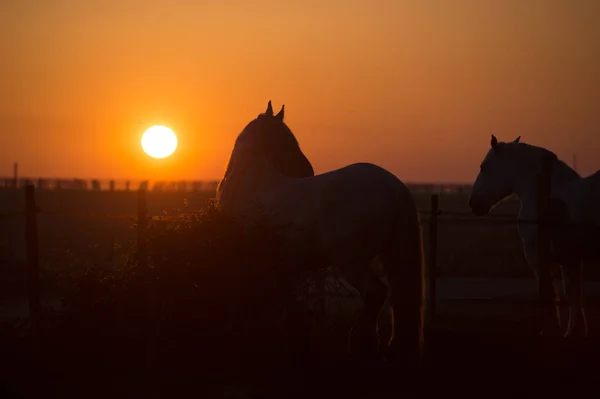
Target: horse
[
  {"x": 512, "y": 168},
  {"x": 281, "y": 148},
  {"x": 277, "y": 144},
  {"x": 344, "y": 218}
]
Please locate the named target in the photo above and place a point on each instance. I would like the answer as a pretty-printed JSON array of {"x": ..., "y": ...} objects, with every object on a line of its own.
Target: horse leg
[
  {"x": 556, "y": 280},
  {"x": 385, "y": 323},
  {"x": 573, "y": 281},
  {"x": 364, "y": 337},
  {"x": 404, "y": 264},
  {"x": 549, "y": 315}
]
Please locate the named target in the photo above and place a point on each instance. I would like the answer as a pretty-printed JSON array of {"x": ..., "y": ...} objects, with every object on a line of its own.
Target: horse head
[
  {"x": 510, "y": 168},
  {"x": 278, "y": 145},
  {"x": 269, "y": 136}
]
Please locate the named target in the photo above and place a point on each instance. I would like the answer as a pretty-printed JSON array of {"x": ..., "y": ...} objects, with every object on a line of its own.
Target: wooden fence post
[
  {"x": 142, "y": 250},
  {"x": 15, "y": 184},
  {"x": 547, "y": 319},
  {"x": 33, "y": 275},
  {"x": 433, "y": 243},
  {"x": 142, "y": 226},
  {"x": 142, "y": 243}
]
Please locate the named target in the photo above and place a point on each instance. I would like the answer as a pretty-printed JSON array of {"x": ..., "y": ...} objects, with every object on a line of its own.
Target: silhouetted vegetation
[
  {"x": 220, "y": 299},
  {"x": 216, "y": 295}
]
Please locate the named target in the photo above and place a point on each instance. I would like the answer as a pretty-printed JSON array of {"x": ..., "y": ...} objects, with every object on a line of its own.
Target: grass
[
  {"x": 473, "y": 248},
  {"x": 465, "y": 249}
]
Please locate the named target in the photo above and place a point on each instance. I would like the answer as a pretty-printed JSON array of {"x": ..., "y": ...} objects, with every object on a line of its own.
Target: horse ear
[
  {"x": 494, "y": 142},
  {"x": 269, "y": 111},
  {"x": 517, "y": 139},
  {"x": 280, "y": 113}
]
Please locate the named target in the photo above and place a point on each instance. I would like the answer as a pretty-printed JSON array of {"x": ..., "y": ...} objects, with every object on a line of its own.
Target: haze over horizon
[{"x": 416, "y": 87}]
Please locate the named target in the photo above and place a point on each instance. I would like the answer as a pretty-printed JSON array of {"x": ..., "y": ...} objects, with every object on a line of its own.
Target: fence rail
[
  {"x": 98, "y": 215},
  {"x": 107, "y": 184},
  {"x": 442, "y": 217},
  {"x": 176, "y": 185}
]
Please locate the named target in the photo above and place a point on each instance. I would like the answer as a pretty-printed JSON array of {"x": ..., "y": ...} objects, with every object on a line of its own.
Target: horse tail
[{"x": 405, "y": 268}]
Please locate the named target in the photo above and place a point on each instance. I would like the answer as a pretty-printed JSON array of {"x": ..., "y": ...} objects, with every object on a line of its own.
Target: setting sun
[{"x": 159, "y": 141}]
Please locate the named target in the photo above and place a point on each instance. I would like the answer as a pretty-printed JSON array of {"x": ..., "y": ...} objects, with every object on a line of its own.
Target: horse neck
[
  {"x": 259, "y": 170},
  {"x": 248, "y": 176},
  {"x": 525, "y": 188}
]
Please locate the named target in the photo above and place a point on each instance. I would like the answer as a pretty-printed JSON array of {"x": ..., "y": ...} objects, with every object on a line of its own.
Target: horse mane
[
  {"x": 238, "y": 141},
  {"x": 236, "y": 157},
  {"x": 565, "y": 168},
  {"x": 555, "y": 162},
  {"x": 287, "y": 140}
]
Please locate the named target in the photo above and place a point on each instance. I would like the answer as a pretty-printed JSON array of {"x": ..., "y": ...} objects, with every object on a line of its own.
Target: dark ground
[
  {"x": 466, "y": 248},
  {"x": 461, "y": 363},
  {"x": 484, "y": 348}
]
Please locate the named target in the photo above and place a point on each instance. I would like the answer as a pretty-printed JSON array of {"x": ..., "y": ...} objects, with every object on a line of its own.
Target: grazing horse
[
  {"x": 345, "y": 218},
  {"x": 512, "y": 168}
]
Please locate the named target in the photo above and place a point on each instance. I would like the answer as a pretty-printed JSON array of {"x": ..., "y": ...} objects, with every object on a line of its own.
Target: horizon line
[{"x": 124, "y": 180}]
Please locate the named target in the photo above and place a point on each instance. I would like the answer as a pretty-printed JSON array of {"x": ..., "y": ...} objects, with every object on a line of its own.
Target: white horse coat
[
  {"x": 512, "y": 168},
  {"x": 344, "y": 218}
]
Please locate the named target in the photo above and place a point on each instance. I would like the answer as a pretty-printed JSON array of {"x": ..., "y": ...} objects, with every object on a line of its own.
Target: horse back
[
  {"x": 364, "y": 181},
  {"x": 593, "y": 196},
  {"x": 578, "y": 232},
  {"x": 594, "y": 185},
  {"x": 349, "y": 198}
]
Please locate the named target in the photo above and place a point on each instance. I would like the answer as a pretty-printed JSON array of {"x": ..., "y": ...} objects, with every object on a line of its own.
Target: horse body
[
  {"x": 573, "y": 204},
  {"x": 345, "y": 218},
  {"x": 576, "y": 202},
  {"x": 512, "y": 168},
  {"x": 345, "y": 210}
]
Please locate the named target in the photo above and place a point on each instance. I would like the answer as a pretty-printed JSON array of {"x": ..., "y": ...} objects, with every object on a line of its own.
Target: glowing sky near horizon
[{"x": 416, "y": 87}]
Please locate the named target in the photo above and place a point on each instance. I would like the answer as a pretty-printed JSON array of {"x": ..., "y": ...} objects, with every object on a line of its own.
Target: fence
[
  {"x": 176, "y": 186},
  {"x": 108, "y": 185},
  {"x": 434, "y": 217}
]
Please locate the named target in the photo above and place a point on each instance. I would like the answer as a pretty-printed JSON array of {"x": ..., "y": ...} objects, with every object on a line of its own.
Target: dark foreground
[
  {"x": 216, "y": 298},
  {"x": 496, "y": 360},
  {"x": 485, "y": 365}
]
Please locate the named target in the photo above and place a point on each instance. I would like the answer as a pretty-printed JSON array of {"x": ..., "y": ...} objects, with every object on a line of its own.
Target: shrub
[{"x": 213, "y": 295}]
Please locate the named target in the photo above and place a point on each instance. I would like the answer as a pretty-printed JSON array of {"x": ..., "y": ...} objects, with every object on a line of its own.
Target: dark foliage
[{"x": 215, "y": 296}]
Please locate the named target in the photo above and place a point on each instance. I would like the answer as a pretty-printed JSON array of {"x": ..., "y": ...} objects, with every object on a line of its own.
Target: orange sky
[{"x": 415, "y": 86}]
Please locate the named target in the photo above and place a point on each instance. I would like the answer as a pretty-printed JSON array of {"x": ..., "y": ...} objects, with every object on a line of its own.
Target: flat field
[
  {"x": 466, "y": 248},
  {"x": 470, "y": 336}
]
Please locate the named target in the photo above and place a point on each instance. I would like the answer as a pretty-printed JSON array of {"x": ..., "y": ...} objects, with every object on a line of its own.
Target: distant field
[
  {"x": 91, "y": 237},
  {"x": 466, "y": 249},
  {"x": 479, "y": 334}
]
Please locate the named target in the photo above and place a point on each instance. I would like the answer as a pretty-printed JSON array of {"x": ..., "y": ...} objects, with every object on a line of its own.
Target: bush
[
  {"x": 13, "y": 275},
  {"x": 213, "y": 295}
]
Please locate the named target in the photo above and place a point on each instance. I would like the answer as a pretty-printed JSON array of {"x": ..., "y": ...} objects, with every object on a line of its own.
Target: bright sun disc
[{"x": 159, "y": 141}]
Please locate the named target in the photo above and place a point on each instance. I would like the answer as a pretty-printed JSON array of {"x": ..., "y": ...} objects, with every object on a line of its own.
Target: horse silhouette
[
  {"x": 345, "y": 218},
  {"x": 512, "y": 168}
]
